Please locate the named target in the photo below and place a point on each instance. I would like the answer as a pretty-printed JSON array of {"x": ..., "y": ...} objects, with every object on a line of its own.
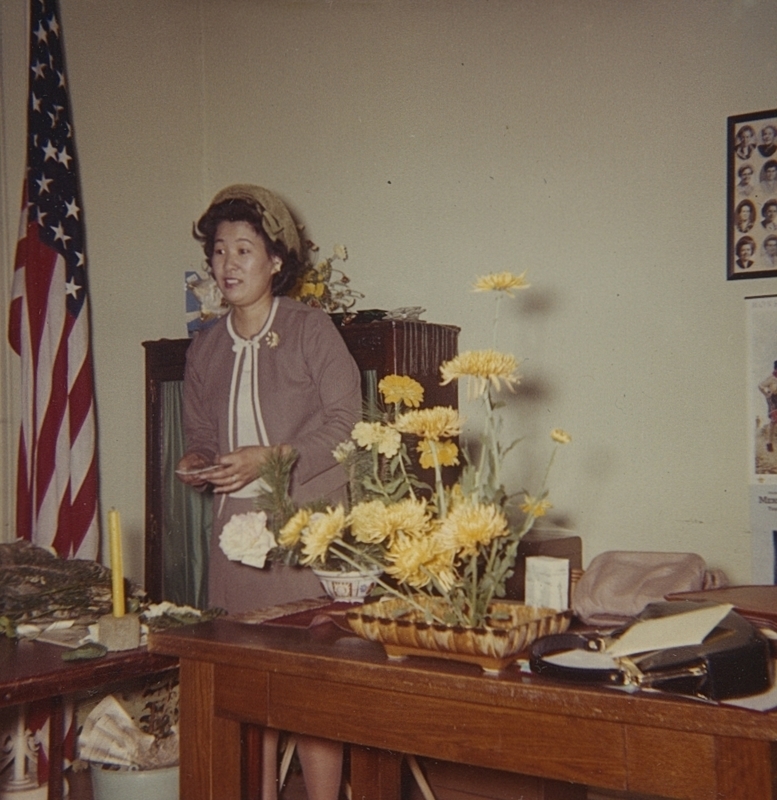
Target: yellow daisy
[
  {"x": 401, "y": 389},
  {"x": 560, "y": 436},
  {"x": 447, "y": 453},
  {"x": 470, "y": 525},
  {"x": 322, "y": 530},
  {"x": 482, "y": 367},
  {"x": 440, "y": 422},
  {"x": 501, "y": 282},
  {"x": 537, "y": 507}
]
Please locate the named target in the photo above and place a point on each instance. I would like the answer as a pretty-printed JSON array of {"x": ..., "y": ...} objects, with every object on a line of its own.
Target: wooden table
[
  {"x": 325, "y": 683},
  {"x": 32, "y": 670}
]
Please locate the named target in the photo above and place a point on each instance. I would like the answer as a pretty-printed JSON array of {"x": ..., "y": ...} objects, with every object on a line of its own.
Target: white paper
[
  {"x": 547, "y": 582},
  {"x": 583, "y": 659},
  {"x": 677, "y": 630}
]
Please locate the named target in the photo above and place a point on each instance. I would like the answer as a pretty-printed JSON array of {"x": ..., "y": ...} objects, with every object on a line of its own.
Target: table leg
[
  {"x": 56, "y": 748},
  {"x": 211, "y": 753},
  {"x": 251, "y": 761},
  {"x": 375, "y": 774}
]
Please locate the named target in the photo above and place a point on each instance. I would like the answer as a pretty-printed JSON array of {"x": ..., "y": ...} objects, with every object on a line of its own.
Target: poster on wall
[
  {"x": 762, "y": 427},
  {"x": 752, "y": 195}
]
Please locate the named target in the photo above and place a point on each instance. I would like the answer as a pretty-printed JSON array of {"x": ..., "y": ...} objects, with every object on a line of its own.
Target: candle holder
[{"x": 119, "y": 633}]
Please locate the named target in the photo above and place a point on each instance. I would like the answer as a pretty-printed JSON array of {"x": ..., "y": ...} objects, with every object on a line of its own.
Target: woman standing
[{"x": 271, "y": 375}]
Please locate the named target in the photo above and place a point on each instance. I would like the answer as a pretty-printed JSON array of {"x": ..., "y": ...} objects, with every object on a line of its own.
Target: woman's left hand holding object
[{"x": 238, "y": 468}]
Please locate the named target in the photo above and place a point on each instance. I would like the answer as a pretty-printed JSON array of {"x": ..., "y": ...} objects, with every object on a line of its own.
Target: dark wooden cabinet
[{"x": 380, "y": 347}]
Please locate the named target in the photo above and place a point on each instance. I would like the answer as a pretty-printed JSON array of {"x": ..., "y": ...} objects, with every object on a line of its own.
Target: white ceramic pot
[
  {"x": 137, "y": 784},
  {"x": 347, "y": 587}
]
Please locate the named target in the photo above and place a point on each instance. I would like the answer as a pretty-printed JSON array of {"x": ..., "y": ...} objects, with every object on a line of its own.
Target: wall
[{"x": 583, "y": 142}]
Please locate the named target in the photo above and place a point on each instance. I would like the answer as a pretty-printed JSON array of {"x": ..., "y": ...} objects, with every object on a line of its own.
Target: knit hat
[{"x": 277, "y": 221}]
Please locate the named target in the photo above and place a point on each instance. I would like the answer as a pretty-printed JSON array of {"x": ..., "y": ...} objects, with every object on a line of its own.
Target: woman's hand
[
  {"x": 238, "y": 468},
  {"x": 194, "y": 470}
]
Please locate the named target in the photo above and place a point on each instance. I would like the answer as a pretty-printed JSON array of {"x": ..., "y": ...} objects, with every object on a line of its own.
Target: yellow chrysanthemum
[
  {"x": 470, "y": 525},
  {"x": 560, "y": 436},
  {"x": 447, "y": 453},
  {"x": 374, "y": 522},
  {"x": 412, "y": 561},
  {"x": 409, "y": 516},
  {"x": 501, "y": 282},
  {"x": 401, "y": 389},
  {"x": 535, "y": 506},
  {"x": 387, "y": 439},
  {"x": 341, "y": 252},
  {"x": 440, "y": 422},
  {"x": 290, "y": 533},
  {"x": 322, "y": 530},
  {"x": 369, "y": 522},
  {"x": 482, "y": 367}
]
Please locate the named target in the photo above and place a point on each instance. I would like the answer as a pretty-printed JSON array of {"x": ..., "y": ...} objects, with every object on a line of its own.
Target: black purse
[{"x": 733, "y": 660}]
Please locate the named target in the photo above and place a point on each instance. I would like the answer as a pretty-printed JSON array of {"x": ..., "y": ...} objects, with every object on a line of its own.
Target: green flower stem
[
  {"x": 390, "y": 589},
  {"x": 472, "y": 569},
  {"x": 497, "y": 305},
  {"x": 376, "y": 471},
  {"x": 489, "y": 450},
  {"x": 409, "y": 485},
  {"x": 547, "y": 471},
  {"x": 442, "y": 502}
]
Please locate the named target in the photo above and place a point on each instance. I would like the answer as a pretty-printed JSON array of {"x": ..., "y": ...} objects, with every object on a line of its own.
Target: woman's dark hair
[
  {"x": 237, "y": 210},
  {"x": 745, "y": 240}
]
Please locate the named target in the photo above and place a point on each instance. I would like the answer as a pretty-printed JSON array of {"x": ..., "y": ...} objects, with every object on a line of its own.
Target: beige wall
[{"x": 581, "y": 140}]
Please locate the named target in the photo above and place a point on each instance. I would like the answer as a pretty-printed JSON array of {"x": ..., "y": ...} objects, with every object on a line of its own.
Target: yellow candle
[{"x": 117, "y": 564}]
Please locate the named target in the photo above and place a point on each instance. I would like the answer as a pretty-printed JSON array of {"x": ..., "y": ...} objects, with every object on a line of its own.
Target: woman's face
[{"x": 241, "y": 265}]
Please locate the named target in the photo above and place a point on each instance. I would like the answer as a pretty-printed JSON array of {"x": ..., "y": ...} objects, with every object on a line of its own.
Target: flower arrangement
[
  {"x": 447, "y": 550},
  {"x": 322, "y": 285}
]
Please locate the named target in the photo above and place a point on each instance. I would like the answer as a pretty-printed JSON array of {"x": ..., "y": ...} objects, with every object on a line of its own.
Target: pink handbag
[{"x": 618, "y": 584}]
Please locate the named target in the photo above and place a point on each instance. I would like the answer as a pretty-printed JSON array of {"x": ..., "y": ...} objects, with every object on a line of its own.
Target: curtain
[{"x": 187, "y": 514}]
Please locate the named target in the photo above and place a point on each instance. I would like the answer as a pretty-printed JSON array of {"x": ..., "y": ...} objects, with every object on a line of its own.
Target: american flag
[{"x": 56, "y": 503}]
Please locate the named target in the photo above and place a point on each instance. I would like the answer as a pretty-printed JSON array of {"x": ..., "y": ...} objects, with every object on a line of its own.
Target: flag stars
[
  {"x": 40, "y": 216},
  {"x": 72, "y": 209},
  {"x": 62, "y": 82},
  {"x": 72, "y": 288},
  {"x": 38, "y": 69},
  {"x": 53, "y": 25},
  {"x": 54, "y": 115},
  {"x": 41, "y": 33},
  {"x": 50, "y": 152},
  {"x": 43, "y": 184},
  {"x": 36, "y": 101},
  {"x": 80, "y": 260},
  {"x": 64, "y": 158},
  {"x": 59, "y": 234}
]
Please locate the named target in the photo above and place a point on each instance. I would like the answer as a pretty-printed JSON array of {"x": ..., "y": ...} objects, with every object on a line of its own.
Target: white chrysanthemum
[{"x": 245, "y": 538}]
